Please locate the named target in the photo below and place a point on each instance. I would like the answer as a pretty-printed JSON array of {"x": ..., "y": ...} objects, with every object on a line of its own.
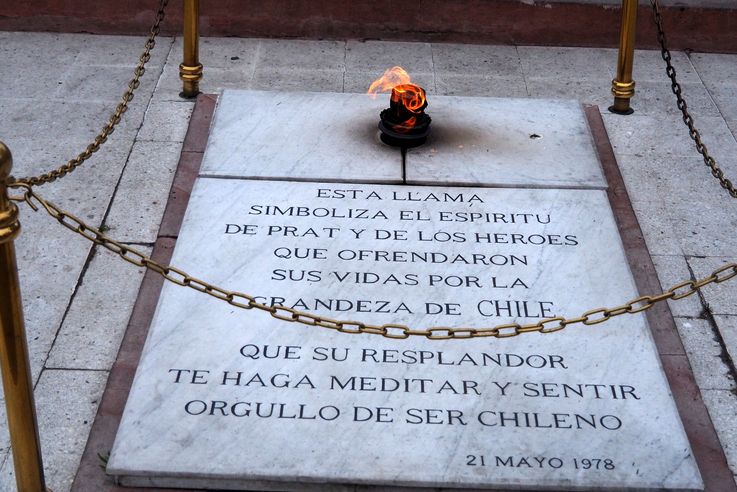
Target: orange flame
[
  {"x": 392, "y": 77},
  {"x": 404, "y": 92},
  {"x": 411, "y": 96},
  {"x": 406, "y": 125}
]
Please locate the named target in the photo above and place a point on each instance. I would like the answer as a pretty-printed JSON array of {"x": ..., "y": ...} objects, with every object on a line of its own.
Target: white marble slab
[
  {"x": 437, "y": 423},
  {"x": 300, "y": 135},
  {"x": 506, "y": 142}
]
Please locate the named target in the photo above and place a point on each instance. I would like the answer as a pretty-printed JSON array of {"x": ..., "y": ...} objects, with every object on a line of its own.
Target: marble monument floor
[{"x": 569, "y": 195}]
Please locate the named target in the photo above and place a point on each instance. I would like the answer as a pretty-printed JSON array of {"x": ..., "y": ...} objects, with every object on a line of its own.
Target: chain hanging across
[
  {"x": 246, "y": 301},
  {"x": 115, "y": 118},
  {"x": 396, "y": 331},
  {"x": 716, "y": 171}
]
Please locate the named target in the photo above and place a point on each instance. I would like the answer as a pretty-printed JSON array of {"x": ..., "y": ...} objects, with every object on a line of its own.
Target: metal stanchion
[
  {"x": 190, "y": 70},
  {"x": 16, "y": 370},
  {"x": 623, "y": 87}
]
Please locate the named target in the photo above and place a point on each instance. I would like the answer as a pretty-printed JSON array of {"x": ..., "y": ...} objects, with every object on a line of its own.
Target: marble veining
[
  {"x": 474, "y": 141},
  {"x": 300, "y": 135},
  {"x": 506, "y": 142},
  {"x": 227, "y": 398}
]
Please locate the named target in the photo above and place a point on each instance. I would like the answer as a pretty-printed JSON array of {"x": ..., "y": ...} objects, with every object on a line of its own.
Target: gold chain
[
  {"x": 396, "y": 331},
  {"x": 716, "y": 171},
  {"x": 245, "y": 301},
  {"x": 115, "y": 118}
]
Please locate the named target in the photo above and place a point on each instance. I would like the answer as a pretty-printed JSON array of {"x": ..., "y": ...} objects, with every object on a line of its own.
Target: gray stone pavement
[{"x": 56, "y": 90}]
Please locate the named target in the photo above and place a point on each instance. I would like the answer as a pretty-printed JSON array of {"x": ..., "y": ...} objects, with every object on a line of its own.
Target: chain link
[
  {"x": 716, "y": 171},
  {"x": 115, "y": 118},
  {"x": 395, "y": 331}
]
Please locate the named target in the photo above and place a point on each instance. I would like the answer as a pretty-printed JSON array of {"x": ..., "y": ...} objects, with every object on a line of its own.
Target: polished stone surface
[
  {"x": 242, "y": 399},
  {"x": 274, "y": 135},
  {"x": 473, "y": 140},
  {"x": 506, "y": 142}
]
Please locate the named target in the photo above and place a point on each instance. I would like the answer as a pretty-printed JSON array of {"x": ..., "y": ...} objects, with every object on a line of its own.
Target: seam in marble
[{"x": 708, "y": 315}]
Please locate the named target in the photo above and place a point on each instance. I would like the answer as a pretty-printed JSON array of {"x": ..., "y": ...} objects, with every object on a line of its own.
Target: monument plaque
[{"x": 232, "y": 399}]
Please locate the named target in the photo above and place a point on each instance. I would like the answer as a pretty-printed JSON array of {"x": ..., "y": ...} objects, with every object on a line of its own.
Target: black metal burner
[{"x": 405, "y": 124}]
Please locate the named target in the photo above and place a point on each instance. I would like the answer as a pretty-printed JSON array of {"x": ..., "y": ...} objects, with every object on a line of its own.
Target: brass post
[
  {"x": 190, "y": 70},
  {"x": 623, "y": 87},
  {"x": 16, "y": 370}
]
